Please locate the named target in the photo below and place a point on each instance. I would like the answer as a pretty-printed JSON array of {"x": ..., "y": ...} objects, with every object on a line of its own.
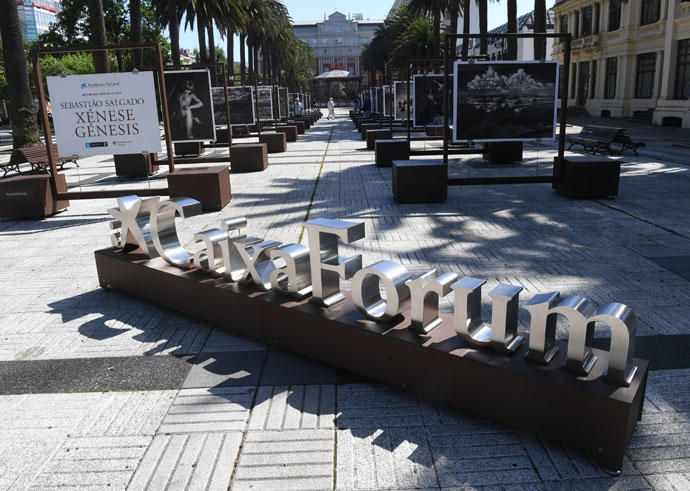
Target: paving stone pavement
[{"x": 249, "y": 416}]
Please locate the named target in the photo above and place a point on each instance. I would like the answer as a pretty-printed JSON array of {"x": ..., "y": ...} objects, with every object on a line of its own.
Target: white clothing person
[{"x": 331, "y": 109}]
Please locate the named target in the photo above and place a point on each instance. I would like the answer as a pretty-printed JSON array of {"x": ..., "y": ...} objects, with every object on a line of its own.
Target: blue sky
[{"x": 311, "y": 10}]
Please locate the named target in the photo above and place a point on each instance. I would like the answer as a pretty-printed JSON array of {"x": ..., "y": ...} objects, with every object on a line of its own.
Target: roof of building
[
  {"x": 334, "y": 74},
  {"x": 526, "y": 20}
]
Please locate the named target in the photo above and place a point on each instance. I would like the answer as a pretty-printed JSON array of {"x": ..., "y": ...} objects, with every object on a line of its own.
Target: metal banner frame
[
  {"x": 566, "y": 38},
  {"x": 48, "y": 134}
]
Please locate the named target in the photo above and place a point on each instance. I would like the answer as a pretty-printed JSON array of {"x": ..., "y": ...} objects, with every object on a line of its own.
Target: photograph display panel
[
  {"x": 219, "y": 113},
  {"x": 427, "y": 103},
  {"x": 372, "y": 99},
  {"x": 264, "y": 103},
  {"x": 384, "y": 105},
  {"x": 283, "y": 110},
  {"x": 400, "y": 100},
  {"x": 291, "y": 103},
  {"x": 379, "y": 99},
  {"x": 241, "y": 105},
  {"x": 191, "y": 106},
  {"x": 505, "y": 101}
]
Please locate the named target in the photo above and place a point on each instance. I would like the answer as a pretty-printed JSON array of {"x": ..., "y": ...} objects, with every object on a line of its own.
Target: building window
[
  {"x": 682, "y": 90},
  {"x": 614, "y": 15},
  {"x": 611, "y": 74},
  {"x": 564, "y": 24},
  {"x": 597, "y": 18},
  {"x": 573, "y": 81},
  {"x": 593, "y": 88},
  {"x": 587, "y": 21},
  {"x": 644, "y": 80},
  {"x": 576, "y": 31},
  {"x": 650, "y": 11}
]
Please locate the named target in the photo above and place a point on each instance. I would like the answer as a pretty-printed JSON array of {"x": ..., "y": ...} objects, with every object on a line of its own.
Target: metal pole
[
  {"x": 48, "y": 136},
  {"x": 564, "y": 96},
  {"x": 227, "y": 105},
  {"x": 409, "y": 105},
  {"x": 165, "y": 111},
  {"x": 445, "y": 103}
]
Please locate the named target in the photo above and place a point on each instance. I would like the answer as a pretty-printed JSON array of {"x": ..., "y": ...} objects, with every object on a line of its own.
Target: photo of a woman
[{"x": 191, "y": 105}]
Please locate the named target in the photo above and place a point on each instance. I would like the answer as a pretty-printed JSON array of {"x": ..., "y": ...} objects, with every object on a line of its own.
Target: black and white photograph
[
  {"x": 282, "y": 102},
  {"x": 400, "y": 100},
  {"x": 291, "y": 103},
  {"x": 241, "y": 105},
  {"x": 191, "y": 105},
  {"x": 379, "y": 99},
  {"x": 219, "y": 111},
  {"x": 386, "y": 99},
  {"x": 427, "y": 104},
  {"x": 264, "y": 103},
  {"x": 505, "y": 101}
]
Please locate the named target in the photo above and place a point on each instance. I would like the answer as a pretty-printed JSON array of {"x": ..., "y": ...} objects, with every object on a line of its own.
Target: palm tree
[
  {"x": 22, "y": 110},
  {"x": 512, "y": 27},
  {"x": 135, "y": 27},
  {"x": 98, "y": 35},
  {"x": 434, "y": 8},
  {"x": 466, "y": 6},
  {"x": 483, "y": 25},
  {"x": 454, "y": 12},
  {"x": 539, "y": 26}
]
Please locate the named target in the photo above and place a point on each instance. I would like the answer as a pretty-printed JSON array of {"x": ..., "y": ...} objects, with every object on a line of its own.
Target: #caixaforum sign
[{"x": 105, "y": 114}]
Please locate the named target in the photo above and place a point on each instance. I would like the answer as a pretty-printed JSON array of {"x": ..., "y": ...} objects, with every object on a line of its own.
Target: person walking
[
  {"x": 298, "y": 107},
  {"x": 331, "y": 109}
]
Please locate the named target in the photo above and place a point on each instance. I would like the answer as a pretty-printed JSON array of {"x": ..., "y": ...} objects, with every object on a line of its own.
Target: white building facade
[
  {"x": 629, "y": 58},
  {"x": 338, "y": 41}
]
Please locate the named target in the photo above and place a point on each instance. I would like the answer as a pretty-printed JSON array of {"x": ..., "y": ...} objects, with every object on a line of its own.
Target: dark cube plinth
[
  {"x": 30, "y": 196},
  {"x": 275, "y": 142},
  {"x": 209, "y": 185},
  {"x": 306, "y": 121},
  {"x": 389, "y": 150},
  {"x": 436, "y": 130},
  {"x": 373, "y": 135},
  {"x": 587, "y": 177},
  {"x": 420, "y": 181},
  {"x": 221, "y": 135},
  {"x": 503, "y": 152},
  {"x": 135, "y": 165},
  {"x": 240, "y": 130},
  {"x": 188, "y": 148},
  {"x": 299, "y": 124},
  {"x": 249, "y": 157},
  {"x": 368, "y": 126},
  {"x": 290, "y": 131}
]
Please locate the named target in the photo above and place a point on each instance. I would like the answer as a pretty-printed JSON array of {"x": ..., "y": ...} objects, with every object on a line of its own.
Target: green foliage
[
  {"x": 69, "y": 64},
  {"x": 3, "y": 77}
]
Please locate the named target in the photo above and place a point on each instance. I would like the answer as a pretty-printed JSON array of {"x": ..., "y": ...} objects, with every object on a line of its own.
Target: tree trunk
[
  {"x": 231, "y": 53},
  {"x": 250, "y": 54},
  {"x": 255, "y": 55},
  {"x": 243, "y": 67},
  {"x": 98, "y": 37},
  {"x": 539, "y": 26},
  {"x": 483, "y": 26},
  {"x": 454, "y": 12},
  {"x": 211, "y": 42},
  {"x": 512, "y": 27},
  {"x": 201, "y": 35},
  {"x": 135, "y": 25},
  {"x": 466, "y": 26},
  {"x": 437, "y": 32},
  {"x": 22, "y": 109},
  {"x": 174, "y": 31}
]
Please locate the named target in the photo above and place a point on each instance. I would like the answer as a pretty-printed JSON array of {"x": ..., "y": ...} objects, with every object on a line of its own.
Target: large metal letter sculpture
[
  {"x": 295, "y": 278},
  {"x": 425, "y": 293},
  {"x": 130, "y": 228},
  {"x": 150, "y": 225},
  {"x": 501, "y": 334},
  {"x": 164, "y": 230},
  {"x": 326, "y": 266},
  {"x": 581, "y": 316},
  {"x": 367, "y": 296},
  {"x": 219, "y": 256},
  {"x": 259, "y": 266}
]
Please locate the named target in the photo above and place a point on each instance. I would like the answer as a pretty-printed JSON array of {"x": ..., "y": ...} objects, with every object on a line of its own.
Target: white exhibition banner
[{"x": 105, "y": 114}]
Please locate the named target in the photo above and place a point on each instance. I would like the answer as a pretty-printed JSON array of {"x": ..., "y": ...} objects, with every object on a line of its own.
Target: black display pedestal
[
  {"x": 380, "y": 134},
  {"x": 387, "y": 151},
  {"x": 249, "y": 157},
  {"x": 191, "y": 148},
  {"x": 208, "y": 185},
  {"x": 587, "y": 176},
  {"x": 30, "y": 196},
  {"x": 420, "y": 181},
  {"x": 503, "y": 152},
  {"x": 135, "y": 165}
]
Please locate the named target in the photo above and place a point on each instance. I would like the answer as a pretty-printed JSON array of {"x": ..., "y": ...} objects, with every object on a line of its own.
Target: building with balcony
[
  {"x": 338, "y": 41},
  {"x": 629, "y": 58},
  {"x": 36, "y": 17}
]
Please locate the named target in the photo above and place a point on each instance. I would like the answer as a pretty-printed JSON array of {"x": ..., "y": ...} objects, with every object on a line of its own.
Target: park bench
[
  {"x": 595, "y": 138},
  {"x": 36, "y": 156}
]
